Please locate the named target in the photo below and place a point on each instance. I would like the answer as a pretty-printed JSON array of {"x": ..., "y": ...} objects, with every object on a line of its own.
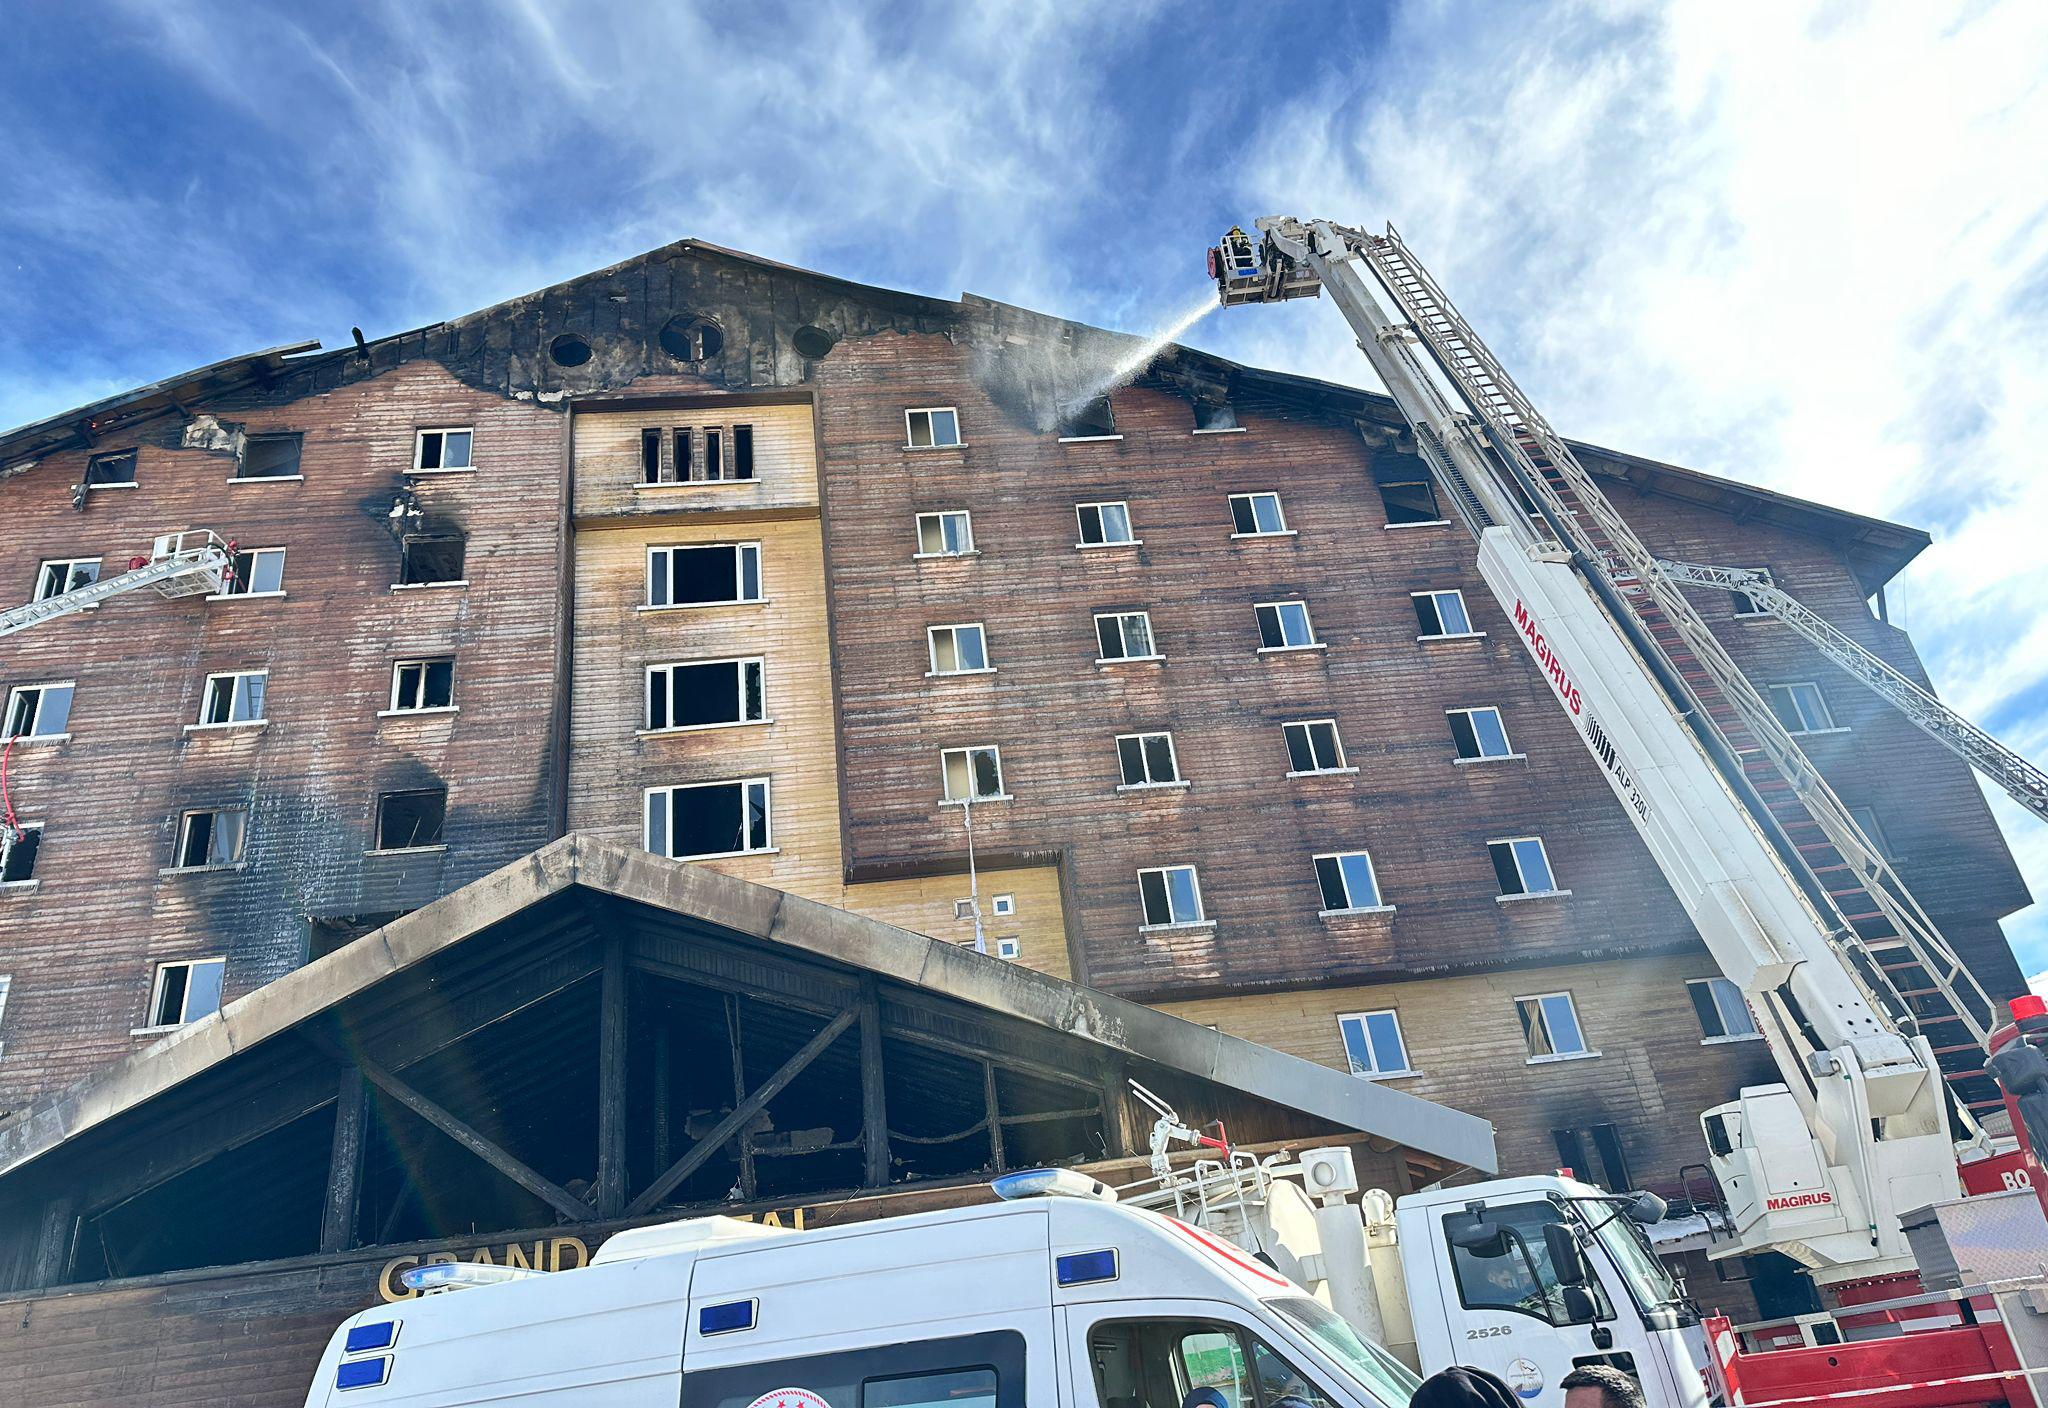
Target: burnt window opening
[
  {"x": 569, "y": 350},
  {"x": 214, "y": 838},
  {"x": 689, "y": 339},
  {"x": 18, "y": 854},
  {"x": 410, "y": 820},
  {"x": 426, "y": 558},
  {"x": 813, "y": 342},
  {"x": 1086, "y": 419},
  {"x": 422, "y": 684},
  {"x": 326, "y": 934},
  {"x": 115, "y": 468},
  {"x": 185, "y": 992},
  {"x": 714, "y": 453},
  {"x": 1411, "y": 502},
  {"x": 650, "y": 454},
  {"x": 743, "y": 452},
  {"x": 685, "y": 457},
  {"x": 270, "y": 457},
  {"x": 1594, "y": 1154},
  {"x": 1216, "y": 415}
]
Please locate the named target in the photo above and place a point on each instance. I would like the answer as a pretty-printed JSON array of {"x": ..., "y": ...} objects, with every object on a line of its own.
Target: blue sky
[{"x": 1801, "y": 246}]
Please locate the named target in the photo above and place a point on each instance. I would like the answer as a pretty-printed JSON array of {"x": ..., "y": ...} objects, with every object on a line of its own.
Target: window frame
[
  {"x": 1752, "y": 614},
  {"x": 31, "y": 880},
  {"x": 939, "y": 517},
  {"x": 1081, "y": 539},
  {"x": 419, "y": 447},
  {"x": 1464, "y": 610},
  {"x": 931, "y": 428},
  {"x": 1457, "y": 744},
  {"x": 763, "y": 780},
  {"x": 1120, "y": 617},
  {"x": 228, "y": 593},
  {"x": 669, "y": 667},
  {"x": 931, "y": 650},
  {"x": 159, "y": 979},
  {"x": 296, "y": 438},
  {"x": 1715, "y": 986},
  {"x": 1872, "y": 826},
  {"x": 966, "y": 752},
  {"x": 423, "y": 664},
  {"x": 134, "y": 480},
  {"x": 1148, "y": 782},
  {"x": 377, "y": 837},
  {"x": 1585, "y": 1049},
  {"x": 42, "y": 688},
  {"x": 1387, "y": 507},
  {"x": 1379, "y": 903},
  {"x": 1364, "y": 1026},
  {"x": 739, "y": 549},
  {"x": 1786, "y": 689},
  {"x": 1308, "y": 726},
  {"x": 1278, "y": 608},
  {"x": 69, "y": 564},
  {"x": 1201, "y": 919},
  {"x": 1521, "y": 875},
  {"x": 181, "y": 841},
  {"x": 1250, "y": 498},
  {"x": 1010, "y": 947}
]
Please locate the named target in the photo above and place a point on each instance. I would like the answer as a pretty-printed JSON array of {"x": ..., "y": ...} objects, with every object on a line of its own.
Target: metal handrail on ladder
[
  {"x": 179, "y": 564},
  {"x": 1576, "y": 503}
]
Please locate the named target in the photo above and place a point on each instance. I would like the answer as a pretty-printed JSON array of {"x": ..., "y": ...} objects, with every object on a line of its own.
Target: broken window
[
  {"x": 65, "y": 574},
  {"x": 714, "y": 453},
  {"x": 269, "y": 457},
  {"x": 1479, "y": 733},
  {"x": 1441, "y": 614},
  {"x": 1254, "y": 515},
  {"x": 6, "y": 982},
  {"x": 1147, "y": 759},
  {"x": 708, "y": 819},
  {"x": 185, "y": 992},
  {"x": 332, "y": 932},
  {"x": 1372, "y": 1040},
  {"x": 704, "y": 694},
  {"x": 1866, "y": 822},
  {"x": 257, "y": 572},
  {"x": 102, "y": 471},
  {"x": 1801, "y": 708},
  {"x": 410, "y": 820},
  {"x": 1745, "y": 604},
  {"x": 1313, "y": 746},
  {"x": 569, "y": 350},
  {"x": 1612, "y": 1171},
  {"x": 932, "y": 428},
  {"x": 1347, "y": 882},
  {"x": 652, "y": 471},
  {"x": 1550, "y": 1026},
  {"x": 1088, "y": 420},
  {"x": 442, "y": 450},
  {"x": 743, "y": 452},
  {"x": 234, "y": 699},
  {"x": 1522, "y": 866},
  {"x": 1104, "y": 524},
  {"x": 1722, "y": 1011},
  {"x": 973, "y": 774},
  {"x": 426, "y": 558},
  {"x": 210, "y": 838},
  {"x": 704, "y": 576},
  {"x": 1126, "y": 635},
  {"x": 958, "y": 650},
  {"x": 38, "y": 711},
  {"x": 1171, "y": 894},
  {"x": 689, "y": 339},
  {"x": 1212, "y": 416},
  {"x": 949, "y": 534},
  {"x": 422, "y": 684},
  {"x": 1284, "y": 625},
  {"x": 18, "y": 853},
  {"x": 1413, "y": 501}
]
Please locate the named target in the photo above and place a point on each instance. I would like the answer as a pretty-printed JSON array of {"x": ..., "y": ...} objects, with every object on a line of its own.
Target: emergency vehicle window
[
  {"x": 958, "y": 1388},
  {"x": 966, "y": 1371},
  {"x": 1193, "y": 1364},
  {"x": 1514, "y": 1274}
]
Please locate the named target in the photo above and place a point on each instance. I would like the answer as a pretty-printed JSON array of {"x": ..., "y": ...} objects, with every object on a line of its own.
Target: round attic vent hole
[
  {"x": 569, "y": 350},
  {"x": 690, "y": 339},
  {"x": 812, "y": 341}
]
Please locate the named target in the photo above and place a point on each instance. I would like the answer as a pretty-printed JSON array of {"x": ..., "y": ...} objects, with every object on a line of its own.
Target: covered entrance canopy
[{"x": 594, "y": 1036}]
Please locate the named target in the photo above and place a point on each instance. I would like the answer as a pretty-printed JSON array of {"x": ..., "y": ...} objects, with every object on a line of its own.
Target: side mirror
[
  {"x": 1566, "y": 1260},
  {"x": 1646, "y": 1208},
  {"x": 1482, "y": 1239},
  {"x": 1578, "y": 1304}
]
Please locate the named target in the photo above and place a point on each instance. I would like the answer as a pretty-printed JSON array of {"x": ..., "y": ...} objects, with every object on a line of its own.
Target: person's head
[
  {"x": 1462, "y": 1387},
  {"x": 1205, "y": 1398},
  {"x": 1600, "y": 1386}
]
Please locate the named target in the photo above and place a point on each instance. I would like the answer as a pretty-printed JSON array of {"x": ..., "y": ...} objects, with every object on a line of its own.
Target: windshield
[
  {"x": 1648, "y": 1279},
  {"x": 1385, "y": 1377}
]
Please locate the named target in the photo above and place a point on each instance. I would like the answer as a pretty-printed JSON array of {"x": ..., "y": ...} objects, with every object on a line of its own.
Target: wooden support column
[
  {"x": 1116, "y": 1131},
  {"x": 736, "y": 1042},
  {"x": 661, "y": 1095},
  {"x": 345, "y": 1163},
  {"x": 610, "y": 1195},
  {"x": 56, "y": 1239},
  {"x": 874, "y": 1103},
  {"x": 995, "y": 1116}
]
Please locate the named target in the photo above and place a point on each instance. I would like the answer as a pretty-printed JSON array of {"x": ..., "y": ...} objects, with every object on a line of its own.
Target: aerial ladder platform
[{"x": 193, "y": 563}]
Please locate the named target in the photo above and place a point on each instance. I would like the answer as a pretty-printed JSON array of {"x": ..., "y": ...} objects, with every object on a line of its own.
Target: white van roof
[{"x": 694, "y": 1234}]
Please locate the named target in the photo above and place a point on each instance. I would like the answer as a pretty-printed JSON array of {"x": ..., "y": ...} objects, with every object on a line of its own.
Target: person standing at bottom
[{"x": 1600, "y": 1386}]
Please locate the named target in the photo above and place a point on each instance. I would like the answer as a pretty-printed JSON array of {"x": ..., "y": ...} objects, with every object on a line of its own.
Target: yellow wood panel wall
[{"x": 608, "y": 461}]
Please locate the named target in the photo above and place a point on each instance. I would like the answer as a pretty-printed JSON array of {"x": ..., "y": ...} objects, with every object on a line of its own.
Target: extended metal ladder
[
  {"x": 179, "y": 564},
  {"x": 1880, "y": 930}
]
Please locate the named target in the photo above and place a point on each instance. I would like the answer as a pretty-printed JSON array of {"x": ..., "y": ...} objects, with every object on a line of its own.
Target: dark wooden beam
[
  {"x": 741, "y": 1116},
  {"x": 874, "y": 1104},
  {"x": 1116, "y": 1133},
  {"x": 546, "y": 1189},
  {"x": 736, "y": 1046},
  {"x": 611, "y": 1081},
  {"x": 344, "y": 1164},
  {"x": 56, "y": 1241},
  {"x": 661, "y": 1094},
  {"x": 995, "y": 1115}
]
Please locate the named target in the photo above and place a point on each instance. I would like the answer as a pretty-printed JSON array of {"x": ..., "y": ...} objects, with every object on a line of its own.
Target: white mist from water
[{"x": 1142, "y": 357}]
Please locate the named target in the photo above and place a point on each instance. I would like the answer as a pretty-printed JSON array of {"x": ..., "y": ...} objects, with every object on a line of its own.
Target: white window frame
[
  {"x": 1278, "y": 608},
  {"x": 1002, "y": 906},
  {"x": 67, "y": 564},
  {"x": 1120, "y": 617},
  {"x": 133, "y": 481},
  {"x": 32, "y": 737},
  {"x": 1379, "y": 903},
  {"x": 1081, "y": 527},
  {"x": 1769, "y": 580},
  {"x": 1585, "y": 1051},
  {"x": 1252, "y": 497},
  {"x": 938, "y": 517},
  {"x": 1009, "y": 948},
  {"x": 667, "y": 668},
  {"x": 156, "y": 993},
  {"x": 33, "y": 881},
  {"x": 1820, "y": 697},
  {"x": 1464, "y": 610},
  {"x": 1201, "y": 919},
  {"x": 1525, "y": 893},
  {"x": 1374, "y": 1071},
  {"x": 178, "y": 865},
  {"x": 1479, "y": 742},
  {"x": 398, "y": 669},
  {"x": 1336, "y": 741},
  {"x": 206, "y": 698},
  {"x": 1150, "y": 783},
  {"x": 661, "y": 551},
  {"x": 230, "y": 594},
  {"x": 966, "y": 753},
  {"x": 6, "y": 983},
  {"x": 297, "y": 475},
  {"x": 931, "y": 431},
  {"x": 766, "y": 785},
  {"x": 419, "y": 448},
  {"x": 1720, "y": 989},
  {"x": 931, "y": 649}
]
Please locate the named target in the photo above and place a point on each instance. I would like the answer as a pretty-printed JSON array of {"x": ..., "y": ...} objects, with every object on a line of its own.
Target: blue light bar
[
  {"x": 1082, "y": 1268},
  {"x": 1051, "y": 1183},
  {"x": 363, "y": 1373},
  {"x": 726, "y": 1318},
  {"x": 378, "y": 1334}
]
